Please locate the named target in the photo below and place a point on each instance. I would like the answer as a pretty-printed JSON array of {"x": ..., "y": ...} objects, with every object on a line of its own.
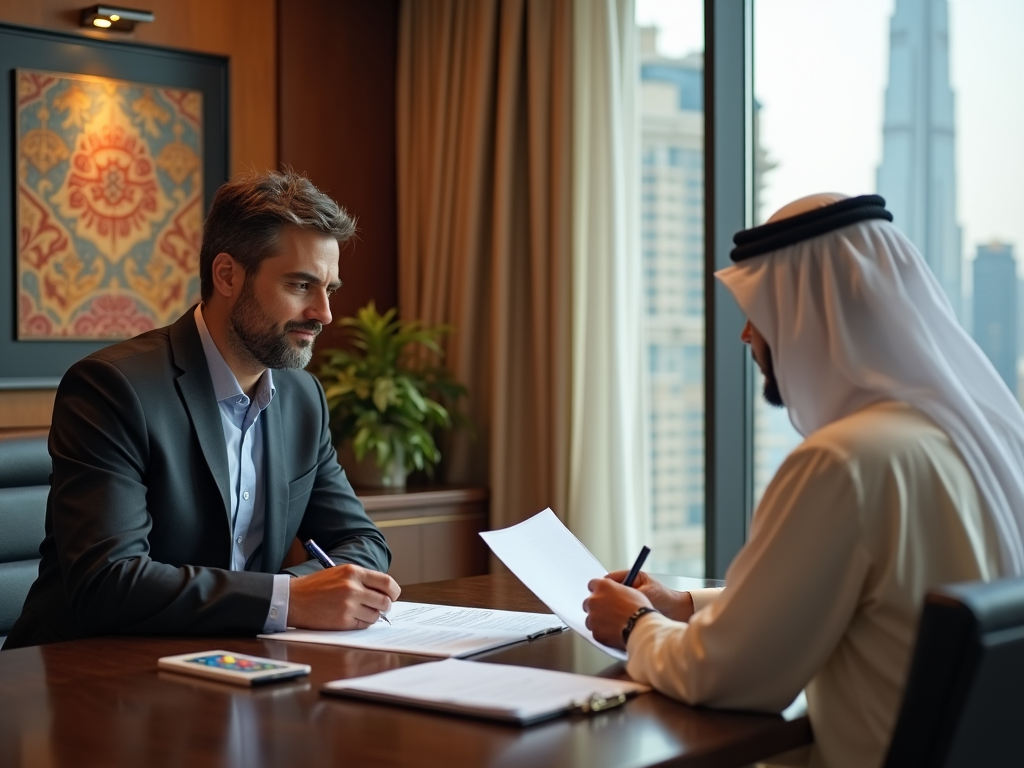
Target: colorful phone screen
[{"x": 234, "y": 663}]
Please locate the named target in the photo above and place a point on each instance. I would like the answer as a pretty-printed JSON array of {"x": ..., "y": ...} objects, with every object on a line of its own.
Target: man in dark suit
[{"x": 186, "y": 460}]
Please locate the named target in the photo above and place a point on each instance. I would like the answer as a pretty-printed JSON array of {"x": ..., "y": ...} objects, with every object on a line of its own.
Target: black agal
[{"x": 778, "y": 234}]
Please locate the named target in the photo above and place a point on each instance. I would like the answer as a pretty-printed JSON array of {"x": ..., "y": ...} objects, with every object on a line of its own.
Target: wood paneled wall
[
  {"x": 245, "y": 30},
  {"x": 338, "y": 62},
  {"x": 313, "y": 87}
]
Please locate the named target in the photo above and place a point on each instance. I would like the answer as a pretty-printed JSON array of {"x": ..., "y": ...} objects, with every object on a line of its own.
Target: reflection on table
[{"x": 102, "y": 702}]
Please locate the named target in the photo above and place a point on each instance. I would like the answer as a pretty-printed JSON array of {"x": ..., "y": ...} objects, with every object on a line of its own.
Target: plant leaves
[{"x": 388, "y": 390}]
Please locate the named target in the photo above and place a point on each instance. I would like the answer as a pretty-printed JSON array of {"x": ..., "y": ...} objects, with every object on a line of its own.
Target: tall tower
[
  {"x": 995, "y": 308},
  {"x": 917, "y": 176}
]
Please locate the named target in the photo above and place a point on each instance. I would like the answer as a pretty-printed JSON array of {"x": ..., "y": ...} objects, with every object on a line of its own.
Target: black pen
[
  {"x": 322, "y": 557},
  {"x": 635, "y": 570},
  {"x": 545, "y": 632}
]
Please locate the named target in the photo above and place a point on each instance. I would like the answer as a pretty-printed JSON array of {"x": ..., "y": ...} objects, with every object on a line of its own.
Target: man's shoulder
[
  {"x": 137, "y": 359},
  {"x": 147, "y": 352},
  {"x": 176, "y": 345},
  {"x": 882, "y": 430},
  {"x": 134, "y": 376},
  {"x": 158, "y": 340},
  {"x": 867, "y": 451}
]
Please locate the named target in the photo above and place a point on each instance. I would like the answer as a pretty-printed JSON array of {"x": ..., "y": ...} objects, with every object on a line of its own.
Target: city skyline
[
  {"x": 917, "y": 174},
  {"x": 672, "y": 240},
  {"x": 840, "y": 143},
  {"x": 672, "y": 248},
  {"x": 848, "y": 78},
  {"x": 994, "y": 324}
]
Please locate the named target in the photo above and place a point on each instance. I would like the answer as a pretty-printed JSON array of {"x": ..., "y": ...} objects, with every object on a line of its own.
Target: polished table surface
[{"x": 102, "y": 702}]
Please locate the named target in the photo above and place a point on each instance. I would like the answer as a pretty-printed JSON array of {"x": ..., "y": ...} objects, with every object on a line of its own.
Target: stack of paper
[
  {"x": 517, "y": 694},
  {"x": 436, "y": 630}
]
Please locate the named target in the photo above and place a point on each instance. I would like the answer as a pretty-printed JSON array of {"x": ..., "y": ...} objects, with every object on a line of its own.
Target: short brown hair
[{"x": 248, "y": 214}]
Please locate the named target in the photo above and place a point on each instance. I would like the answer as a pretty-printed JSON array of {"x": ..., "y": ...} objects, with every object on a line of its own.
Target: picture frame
[{"x": 32, "y": 364}]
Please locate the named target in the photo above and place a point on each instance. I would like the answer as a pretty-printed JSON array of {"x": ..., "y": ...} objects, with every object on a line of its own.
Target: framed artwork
[{"x": 113, "y": 152}]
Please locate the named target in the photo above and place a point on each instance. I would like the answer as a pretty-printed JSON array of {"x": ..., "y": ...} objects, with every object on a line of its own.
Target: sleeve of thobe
[
  {"x": 793, "y": 589},
  {"x": 702, "y": 598}
]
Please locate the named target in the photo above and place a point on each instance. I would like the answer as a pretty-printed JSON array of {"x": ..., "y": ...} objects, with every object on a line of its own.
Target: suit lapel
[
  {"x": 196, "y": 389},
  {"x": 275, "y": 518}
]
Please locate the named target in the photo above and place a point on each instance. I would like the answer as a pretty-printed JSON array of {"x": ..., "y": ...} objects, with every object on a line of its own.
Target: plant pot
[{"x": 366, "y": 473}]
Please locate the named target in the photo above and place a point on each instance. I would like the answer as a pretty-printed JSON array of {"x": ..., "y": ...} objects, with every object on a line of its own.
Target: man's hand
[
  {"x": 678, "y": 606},
  {"x": 608, "y": 609},
  {"x": 344, "y": 597}
]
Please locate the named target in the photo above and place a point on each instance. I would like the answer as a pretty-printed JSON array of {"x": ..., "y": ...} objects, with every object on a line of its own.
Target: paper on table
[
  {"x": 434, "y": 630},
  {"x": 502, "y": 691},
  {"x": 554, "y": 564}
]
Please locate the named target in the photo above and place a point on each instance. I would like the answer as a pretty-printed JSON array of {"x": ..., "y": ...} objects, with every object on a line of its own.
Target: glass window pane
[
  {"x": 672, "y": 241},
  {"x": 915, "y": 100}
]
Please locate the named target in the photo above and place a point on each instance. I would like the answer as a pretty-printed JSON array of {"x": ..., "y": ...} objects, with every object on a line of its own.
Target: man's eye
[{"x": 302, "y": 286}]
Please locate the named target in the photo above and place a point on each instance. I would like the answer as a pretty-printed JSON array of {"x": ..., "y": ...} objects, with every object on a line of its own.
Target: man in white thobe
[{"x": 910, "y": 477}]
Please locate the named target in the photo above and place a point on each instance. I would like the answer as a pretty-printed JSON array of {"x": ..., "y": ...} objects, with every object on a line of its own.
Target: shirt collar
[{"x": 225, "y": 385}]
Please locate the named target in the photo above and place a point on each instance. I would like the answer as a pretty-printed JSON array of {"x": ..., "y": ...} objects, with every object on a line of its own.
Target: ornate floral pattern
[{"x": 109, "y": 205}]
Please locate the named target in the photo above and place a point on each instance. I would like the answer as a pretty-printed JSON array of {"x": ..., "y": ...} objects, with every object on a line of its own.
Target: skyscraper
[
  {"x": 672, "y": 238},
  {"x": 917, "y": 176},
  {"x": 995, "y": 308}
]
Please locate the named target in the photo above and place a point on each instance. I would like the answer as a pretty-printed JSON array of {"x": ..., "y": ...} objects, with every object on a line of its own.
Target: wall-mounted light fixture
[{"x": 111, "y": 17}]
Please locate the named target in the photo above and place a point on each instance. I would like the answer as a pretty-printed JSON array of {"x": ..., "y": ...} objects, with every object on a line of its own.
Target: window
[
  {"x": 829, "y": 80},
  {"x": 672, "y": 221},
  {"x": 911, "y": 99}
]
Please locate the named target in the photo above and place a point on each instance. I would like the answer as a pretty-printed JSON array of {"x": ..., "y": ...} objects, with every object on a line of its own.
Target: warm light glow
[
  {"x": 114, "y": 17},
  {"x": 101, "y": 23}
]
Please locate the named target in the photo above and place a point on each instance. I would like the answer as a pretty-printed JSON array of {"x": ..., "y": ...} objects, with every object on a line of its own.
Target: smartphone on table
[{"x": 236, "y": 668}]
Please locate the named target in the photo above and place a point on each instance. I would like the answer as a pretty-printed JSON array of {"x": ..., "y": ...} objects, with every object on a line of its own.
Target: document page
[
  {"x": 502, "y": 691},
  {"x": 554, "y": 564},
  {"x": 435, "y": 630}
]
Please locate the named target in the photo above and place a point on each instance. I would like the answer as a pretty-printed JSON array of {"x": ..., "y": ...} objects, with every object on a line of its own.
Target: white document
[
  {"x": 435, "y": 630},
  {"x": 501, "y": 691},
  {"x": 554, "y": 564}
]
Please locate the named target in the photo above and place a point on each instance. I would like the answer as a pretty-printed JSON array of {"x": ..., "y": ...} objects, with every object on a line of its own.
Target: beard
[
  {"x": 771, "y": 392},
  {"x": 255, "y": 336}
]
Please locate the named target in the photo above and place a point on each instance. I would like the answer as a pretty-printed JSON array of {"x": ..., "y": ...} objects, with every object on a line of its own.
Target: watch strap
[{"x": 632, "y": 620}]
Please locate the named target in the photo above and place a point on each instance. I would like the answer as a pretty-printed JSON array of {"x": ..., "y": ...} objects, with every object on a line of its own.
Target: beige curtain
[
  {"x": 608, "y": 490},
  {"x": 484, "y": 135}
]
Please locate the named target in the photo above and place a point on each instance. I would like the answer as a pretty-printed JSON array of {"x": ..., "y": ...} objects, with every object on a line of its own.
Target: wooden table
[{"x": 102, "y": 702}]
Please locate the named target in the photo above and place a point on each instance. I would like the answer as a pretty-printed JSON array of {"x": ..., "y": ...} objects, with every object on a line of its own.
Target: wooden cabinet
[{"x": 432, "y": 531}]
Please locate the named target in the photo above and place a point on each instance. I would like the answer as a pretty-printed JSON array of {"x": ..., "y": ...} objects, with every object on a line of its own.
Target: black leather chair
[
  {"x": 964, "y": 702},
  {"x": 24, "y": 483}
]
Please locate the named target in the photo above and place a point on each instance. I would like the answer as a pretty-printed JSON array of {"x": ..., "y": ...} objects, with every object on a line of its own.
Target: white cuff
[
  {"x": 277, "y": 616},
  {"x": 704, "y": 597}
]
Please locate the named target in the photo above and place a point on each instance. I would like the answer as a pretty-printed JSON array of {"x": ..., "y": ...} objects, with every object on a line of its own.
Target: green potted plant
[{"x": 388, "y": 396}]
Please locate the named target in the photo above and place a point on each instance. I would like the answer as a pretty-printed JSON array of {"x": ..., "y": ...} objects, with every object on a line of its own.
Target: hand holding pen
[
  {"x": 635, "y": 570},
  {"x": 674, "y": 604},
  {"x": 614, "y": 608},
  {"x": 321, "y": 556}
]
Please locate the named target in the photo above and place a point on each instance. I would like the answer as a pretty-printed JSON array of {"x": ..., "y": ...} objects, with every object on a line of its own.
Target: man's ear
[{"x": 228, "y": 275}]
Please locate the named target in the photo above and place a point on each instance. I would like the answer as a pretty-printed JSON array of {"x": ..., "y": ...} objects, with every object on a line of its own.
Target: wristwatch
[{"x": 632, "y": 620}]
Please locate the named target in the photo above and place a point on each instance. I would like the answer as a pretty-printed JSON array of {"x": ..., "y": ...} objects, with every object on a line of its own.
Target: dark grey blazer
[{"x": 138, "y": 536}]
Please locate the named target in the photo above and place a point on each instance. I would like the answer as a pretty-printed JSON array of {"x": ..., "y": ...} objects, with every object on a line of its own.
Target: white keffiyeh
[{"x": 854, "y": 317}]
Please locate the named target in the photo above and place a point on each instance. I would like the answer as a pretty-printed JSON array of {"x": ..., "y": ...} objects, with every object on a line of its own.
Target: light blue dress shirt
[{"x": 243, "y": 435}]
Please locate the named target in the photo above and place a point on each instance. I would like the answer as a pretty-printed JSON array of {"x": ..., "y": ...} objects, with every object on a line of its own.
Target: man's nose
[
  {"x": 745, "y": 336},
  {"x": 320, "y": 309}
]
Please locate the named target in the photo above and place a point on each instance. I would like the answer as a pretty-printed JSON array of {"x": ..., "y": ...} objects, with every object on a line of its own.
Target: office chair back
[
  {"x": 24, "y": 484},
  {"x": 964, "y": 701}
]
